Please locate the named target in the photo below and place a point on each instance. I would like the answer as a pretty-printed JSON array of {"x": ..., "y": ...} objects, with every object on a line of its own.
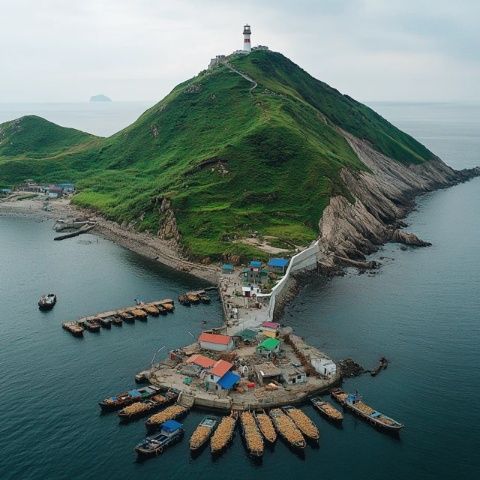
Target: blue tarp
[
  {"x": 171, "y": 425},
  {"x": 278, "y": 262},
  {"x": 228, "y": 380},
  {"x": 227, "y": 267},
  {"x": 134, "y": 393},
  {"x": 255, "y": 264}
]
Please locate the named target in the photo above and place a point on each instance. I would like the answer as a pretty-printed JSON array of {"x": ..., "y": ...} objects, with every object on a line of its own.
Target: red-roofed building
[
  {"x": 220, "y": 368},
  {"x": 201, "y": 361},
  {"x": 215, "y": 342}
]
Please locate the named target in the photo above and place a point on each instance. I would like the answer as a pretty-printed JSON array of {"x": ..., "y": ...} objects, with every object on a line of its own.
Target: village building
[
  {"x": 270, "y": 329},
  {"x": 54, "y": 191},
  {"x": 323, "y": 365},
  {"x": 67, "y": 187},
  {"x": 278, "y": 265},
  {"x": 227, "y": 268},
  {"x": 254, "y": 274},
  {"x": 269, "y": 347},
  {"x": 267, "y": 372},
  {"x": 201, "y": 360},
  {"x": 228, "y": 381},
  {"x": 293, "y": 375},
  {"x": 247, "y": 335},
  {"x": 216, "y": 342}
]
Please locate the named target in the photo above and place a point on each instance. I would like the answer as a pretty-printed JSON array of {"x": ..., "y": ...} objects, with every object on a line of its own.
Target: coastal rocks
[
  {"x": 168, "y": 229},
  {"x": 349, "y": 368}
]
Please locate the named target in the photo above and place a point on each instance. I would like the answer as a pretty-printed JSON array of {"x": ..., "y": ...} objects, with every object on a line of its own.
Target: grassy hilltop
[{"x": 230, "y": 159}]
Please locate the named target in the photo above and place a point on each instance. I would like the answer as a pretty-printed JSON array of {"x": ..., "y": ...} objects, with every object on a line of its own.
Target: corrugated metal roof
[
  {"x": 201, "y": 360},
  {"x": 278, "y": 262},
  {"x": 270, "y": 325},
  {"x": 270, "y": 344},
  {"x": 220, "y": 368},
  {"x": 214, "y": 338},
  {"x": 228, "y": 380},
  {"x": 255, "y": 264}
]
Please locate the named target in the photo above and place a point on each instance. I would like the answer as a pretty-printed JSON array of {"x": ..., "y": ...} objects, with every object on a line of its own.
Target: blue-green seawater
[{"x": 421, "y": 310}]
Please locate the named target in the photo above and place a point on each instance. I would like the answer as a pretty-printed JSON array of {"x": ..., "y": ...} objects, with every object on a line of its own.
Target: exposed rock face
[
  {"x": 381, "y": 197},
  {"x": 167, "y": 228}
]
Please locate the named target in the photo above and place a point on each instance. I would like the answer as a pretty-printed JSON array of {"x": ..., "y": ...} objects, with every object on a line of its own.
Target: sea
[{"x": 421, "y": 310}]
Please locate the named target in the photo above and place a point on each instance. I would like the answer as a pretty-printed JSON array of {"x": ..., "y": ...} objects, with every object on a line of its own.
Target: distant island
[{"x": 100, "y": 98}]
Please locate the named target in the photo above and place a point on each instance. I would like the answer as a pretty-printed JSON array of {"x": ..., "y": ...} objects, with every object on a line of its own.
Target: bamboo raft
[
  {"x": 327, "y": 409},
  {"x": 223, "y": 434},
  {"x": 251, "y": 434},
  {"x": 265, "y": 426},
  {"x": 303, "y": 422},
  {"x": 287, "y": 429},
  {"x": 170, "y": 413},
  {"x": 203, "y": 432}
]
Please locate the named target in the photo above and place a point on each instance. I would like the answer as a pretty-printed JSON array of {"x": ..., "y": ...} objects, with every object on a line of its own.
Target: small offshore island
[{"x": 100, "y": 98}]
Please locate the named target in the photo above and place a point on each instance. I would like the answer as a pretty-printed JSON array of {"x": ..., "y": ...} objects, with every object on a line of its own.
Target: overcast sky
[{"x": 408, "y": 50}]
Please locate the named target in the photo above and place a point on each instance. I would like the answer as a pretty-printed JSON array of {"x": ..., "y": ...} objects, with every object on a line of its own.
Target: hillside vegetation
[{"x": 231, "y": 160}]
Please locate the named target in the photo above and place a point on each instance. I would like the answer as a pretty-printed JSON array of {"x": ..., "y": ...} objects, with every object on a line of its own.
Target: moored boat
[
  {"x": 170, "y": 433},
  {"x": 151, "y": 310},
  {"x": 47, "y": 302},
  {"x": 139, "y": 409},
  {"x": 74, "y": 328},
  {"x": 127, "y": 317},
  {"x": 327, "y": 409},
  {"x": 92, "y": 325},
  {"x": 170, "y": 413},
  {"x": 204, "y": 298},
  {"x": 287, "y": 429},
  {"x": 193, "y": 297},
  {"x": 223, "y": 434},
  {"x": 251, "y": 434},
  {"x": 168, "y": 305},
  {"x": 116, "y": 320},
  {"x": 265, "y": 426},
  {"x": 183, "y": 299},
  {"x": 303, "y": 422},
  {"x": 105, "y": 322},
  {"x": 162, "y": 310},
  {"x": 126, "y": 398},
  {"x": 354, "y": 402},
  {"x": 203, "y": 432},
  {"x": 139, "y": 313}
]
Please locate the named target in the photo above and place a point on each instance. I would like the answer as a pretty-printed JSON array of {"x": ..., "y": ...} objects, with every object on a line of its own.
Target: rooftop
[
  {"x": 214, "y": 338},
  {"x": 278, "y": 262},
  {"x": 255, "y": 264},
  {"x": 201, "y": 360},
  {"x": 274, "y": 325},
  {"x": 220, "y": 368},
  {"x": 267, "y": 369},
  {"x": 228, "y": 380},
  {"x": 270, "y": 344}
]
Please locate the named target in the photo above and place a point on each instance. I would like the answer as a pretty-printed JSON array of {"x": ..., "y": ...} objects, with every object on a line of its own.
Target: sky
[{"x": 373, "y": 50}]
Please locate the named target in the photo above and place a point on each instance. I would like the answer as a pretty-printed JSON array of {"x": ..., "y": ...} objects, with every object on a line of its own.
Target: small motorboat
[
  {"x": 171, "y": 432},
  {"x": 47, "y": 302}
]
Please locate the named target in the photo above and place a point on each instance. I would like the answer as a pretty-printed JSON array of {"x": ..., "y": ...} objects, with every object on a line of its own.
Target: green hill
[{"x": 232, "y": 157}]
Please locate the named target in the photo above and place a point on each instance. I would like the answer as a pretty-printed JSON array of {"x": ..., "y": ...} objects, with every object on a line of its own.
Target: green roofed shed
[
  {"x": 247, "y": 335},
  {"x": 270, "y": 344}
]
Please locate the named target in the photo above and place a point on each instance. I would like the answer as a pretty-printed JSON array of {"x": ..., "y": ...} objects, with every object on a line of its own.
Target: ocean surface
[{"x": 421, "y": 310}]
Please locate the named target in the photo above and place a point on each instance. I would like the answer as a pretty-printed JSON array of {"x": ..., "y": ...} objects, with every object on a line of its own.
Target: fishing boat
[
  {"x": 223, "y": 435},
  {"x": 139, "y": 313},
  {"x": 151, "y": 310},
  {"x": 183, "y": 299},
  {"x": 127, "y": 317},
  {"x": 139, "y": 409},
  {"x": 116, "y": 320},
  {"x": 74, "y": 328},
  {"x": 303, "y": 422},
  {"x": 193, "y": 297},
  {"x": 92, "y": 325},
  {"x": 287, "y": 429},
  {"x": 168, "y": 305},
  {"x": 170, "y": 413},
  {"x": 354, "y": 402},
  {"x": 265, "y": 426},
  {"x": 170, "y": 433},
  {"x": 204, "y": 298},
  {"x": 47, "y": 302},
  {"x": 126, "y": 398},
  {"x": 105, "y": 322},
  {"x": 251, "y": 434},
  {"x": 203, "y": 432},
  {"x": 327, "y": 409},
  {"x": 162, "y": 310}
]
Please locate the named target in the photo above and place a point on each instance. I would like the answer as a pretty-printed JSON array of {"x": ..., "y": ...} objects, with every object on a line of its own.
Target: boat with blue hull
[{"x": 170, "y": 433}]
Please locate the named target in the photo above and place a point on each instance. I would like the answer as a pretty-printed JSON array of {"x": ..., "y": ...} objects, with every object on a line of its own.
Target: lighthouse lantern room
[{"x": 246, "y": 38}]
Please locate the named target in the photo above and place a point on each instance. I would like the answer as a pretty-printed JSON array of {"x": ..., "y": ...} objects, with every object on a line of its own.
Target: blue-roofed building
[
  {"x": 228, "y": 381},
  {"x": 255, "y": 264},
  {"x": 227, "y": 268},
  {"x": 278, "y": 265},
  {"x": 254, "y": 274}
]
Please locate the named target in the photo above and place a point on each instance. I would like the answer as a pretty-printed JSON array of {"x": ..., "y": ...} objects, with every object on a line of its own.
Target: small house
[
  {"x": 216, "y": 342},
  {"x": 254, "y": 274},
  {"x": 269, "y": 347},
  {"x": 270, "y": 329},
  {"x": 324, "y": 366},
  {"x": 219, "y": 369},
  {"x": 227, "y": 268},
  {"x": 54, "y": 191},
  {"x": 228, "y": 381},
  {"x": 247, "y": 335},
  {"x": 267, "y": 372},
  {"x": 278, "y": 265},
  {"x": 250, "y": 291},
  {"x": 201, "y": 360},
  {"x": 67, "y": 187},
  {"x": 293, "y": 375}
]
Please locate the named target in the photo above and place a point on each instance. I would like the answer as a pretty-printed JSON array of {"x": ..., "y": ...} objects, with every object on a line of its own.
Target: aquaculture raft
[
  {"x": 223, "y": 434},
  {"x": 265, "y": 426},
  {"x": 203, "y": 432},
  {"x": 303, "y": 422},
  {"x": 354, "y": 402},
  {"x": 251, "y": 434},
  {"x": 327, "y": 410},
  {"x": 287, "y": 429}
]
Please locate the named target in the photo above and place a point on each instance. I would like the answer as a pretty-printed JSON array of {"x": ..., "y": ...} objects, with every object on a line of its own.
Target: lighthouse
[{"x": 246, "y": 39}]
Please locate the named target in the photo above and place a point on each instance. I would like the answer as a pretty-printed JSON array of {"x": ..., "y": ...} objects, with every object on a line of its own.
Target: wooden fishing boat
[
  {"x": 151, "y": 310},
  {"x": 105, "y": 322},
  {"x": 126, "y": 398},
  {"x": 354, "y": 402},
  {"x": 139, "y": 313},
  {"x": 140, "y": 409},
  {"x": 74, "y": 328},
  {"x": 162, "y": 310},
  {"x": 266, "y": 426},
  {"x": 168, "y": 305},
  {"x": 287, "y": 429},
  {"x": 170, "y": 433},
  {"x": 117, "y": 320},
  {"x": 47, "y": 302},
  {"x": 170, "y": 413},
  {"x": 303, "y": 422},
  {"x": 223, "y": 435},
  {"x": 251, "y": 434},
  {"x": 183, "y": 299},
  {"x": 92, "y": 325},
  {"x": 203, "y": 432},
  {"x": 193, "y": 297},
  {"x": 127, "y": 317},
  {"x": 327, "y": 409}
]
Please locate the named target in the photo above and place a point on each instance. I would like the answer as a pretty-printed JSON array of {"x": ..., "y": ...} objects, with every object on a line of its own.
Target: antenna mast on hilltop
[{"x": 246, "y": 38}]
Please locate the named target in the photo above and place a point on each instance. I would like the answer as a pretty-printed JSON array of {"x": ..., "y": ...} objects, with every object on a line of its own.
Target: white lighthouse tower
[{"x": 246, "y": 39}]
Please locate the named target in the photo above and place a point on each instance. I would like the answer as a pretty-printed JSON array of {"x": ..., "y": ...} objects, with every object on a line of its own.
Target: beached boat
[
  {"x": 287, "y": 429},
  {"x": 151, "y": 310},
  {"x": 223, "y": 434},
  {"x": 126, "y": 398},
  {"x": 303, "y": 422},
  {"x": 265, "y": 426},
  {"x": 327, "y": 409},
  {"x": 203, "y": 432},
  {"x": 251, "y": 434},
  {"x": 170, "y": 413},
  {"x": 139, "y": 409},
  {"x": 47, "y": 302},
  {"x": 170, "y": 433},
  {"x": 105, "y": 322},
  {"x": 183, "y": 299},
  {"x": 354, "y": 402},
  {"x": 74, "y": 328}
]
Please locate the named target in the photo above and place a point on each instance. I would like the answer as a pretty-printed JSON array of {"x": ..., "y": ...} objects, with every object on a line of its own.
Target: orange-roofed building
[
  {"x": 220, "y": 368},
  {"x": 201, "y": 361},
  {"x": 215, "y": 342}
]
